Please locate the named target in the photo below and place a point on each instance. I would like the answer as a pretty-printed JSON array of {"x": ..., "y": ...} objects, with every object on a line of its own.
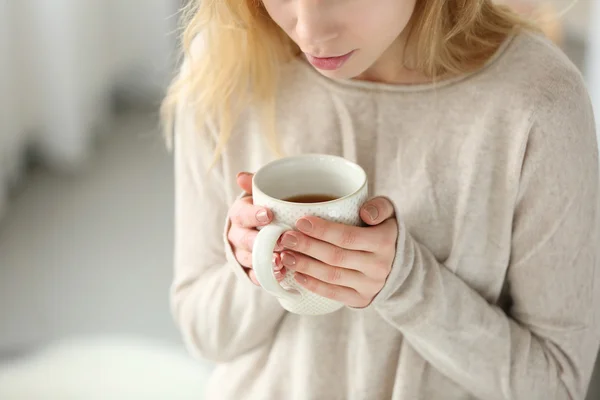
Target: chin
[
  {"x": 337, "y": 74},
  {"x": 347, "y": 71}
]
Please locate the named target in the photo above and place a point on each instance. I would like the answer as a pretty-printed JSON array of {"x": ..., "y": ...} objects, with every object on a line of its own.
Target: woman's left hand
[{"x": 345, "y": 263}]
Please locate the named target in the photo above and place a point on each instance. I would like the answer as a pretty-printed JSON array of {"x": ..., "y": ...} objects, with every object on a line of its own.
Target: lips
[{"x": 329, "y": 63}]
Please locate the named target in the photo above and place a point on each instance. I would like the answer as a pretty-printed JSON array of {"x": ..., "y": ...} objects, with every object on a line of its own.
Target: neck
[{"x": 391, "y": 66}]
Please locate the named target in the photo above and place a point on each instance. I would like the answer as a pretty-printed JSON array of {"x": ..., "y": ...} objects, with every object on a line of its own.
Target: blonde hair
[{"x": 242, "y": 50}]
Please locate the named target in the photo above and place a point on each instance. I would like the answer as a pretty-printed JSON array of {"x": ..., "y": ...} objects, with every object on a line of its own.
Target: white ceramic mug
[{"x": 312, "y": 174}]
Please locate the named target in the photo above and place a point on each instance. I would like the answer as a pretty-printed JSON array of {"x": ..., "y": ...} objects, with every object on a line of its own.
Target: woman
[{"x": 478, "y": 138}]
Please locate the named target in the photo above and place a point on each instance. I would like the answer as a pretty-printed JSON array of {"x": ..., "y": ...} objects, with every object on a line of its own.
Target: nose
[{"x": 313, "y": 25}]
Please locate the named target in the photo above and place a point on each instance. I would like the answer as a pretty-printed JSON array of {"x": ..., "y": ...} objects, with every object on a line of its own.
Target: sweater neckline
[{"x": 353, "y": 84}]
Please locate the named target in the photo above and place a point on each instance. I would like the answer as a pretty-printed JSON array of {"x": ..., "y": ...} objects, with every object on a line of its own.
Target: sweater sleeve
[
  {"x": 544, "y": 347},
  {"x": 220, "y": 314}
]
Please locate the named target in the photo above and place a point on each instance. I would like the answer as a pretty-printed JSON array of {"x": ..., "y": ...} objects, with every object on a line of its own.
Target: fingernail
[
  {"x": 276, "y": 266},
  {"x": 242, "y": 174},
  {"x": 262, "y": 216},
  {"x": 288, "y": 240},
  {"x": 300, "y": 278},
  {"x": 288, "y": 260},
  {"x": 372, "y": 211},
  {"x": 304, "y": 225}
]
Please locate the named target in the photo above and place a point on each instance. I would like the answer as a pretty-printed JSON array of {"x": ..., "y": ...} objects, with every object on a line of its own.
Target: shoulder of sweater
[
  {"x": 540, "y": 72},
  {"x": 562, "y": 121}
]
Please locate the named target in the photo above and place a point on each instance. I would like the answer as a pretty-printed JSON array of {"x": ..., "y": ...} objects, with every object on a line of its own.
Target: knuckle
[
  {"x": 349, "y": 237},
  {"x": 312, "y": 285},
  {"x": 236, "y": 210},
  {"x": 243, "y": 217},
  {"x": 248, "y": 220},
  {"x": 381, "y": 269},
  {"x": 301, "y": 265},
  {"x": 304, "y": 243},
  {"x": 320, "y": 228},
  {"x": 334, "y": 274},
  {"x": 236, "y": 219},
  {"x": 338, "y": 256},
  {"x": 248, "y": 239},
  {"x": 332, "y": 293},
  {"x": 245, "y": 221}
]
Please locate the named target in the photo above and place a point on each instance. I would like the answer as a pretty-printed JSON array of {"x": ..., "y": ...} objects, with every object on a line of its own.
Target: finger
[
  {"x": 377, "y": 210},
  {"x": 279, "y": 275},
  {"x": 279, "y": 270},
  {"x": 242, "y": 238},
  {"x": 326, "y": 252},
  {"x": 327, "y": 273},
  {"x": 243, "y": 257},
  {"x": 253, "y": 278},
  {"x": 341, "y": 294},
  {"x": 277, "y": 263},
  {"x": 247, "y": 215},
  {"x": 245, "y": 238},
  {"x": 344, "y": 236},
  {"x": 244, "y": 181}
]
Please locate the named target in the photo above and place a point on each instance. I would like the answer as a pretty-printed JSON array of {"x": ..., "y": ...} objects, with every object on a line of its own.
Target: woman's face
[{"x": 344, "y": 39}]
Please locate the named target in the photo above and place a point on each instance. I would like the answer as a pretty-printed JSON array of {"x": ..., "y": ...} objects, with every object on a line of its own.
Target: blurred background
[{"x": 86, "y": 197}]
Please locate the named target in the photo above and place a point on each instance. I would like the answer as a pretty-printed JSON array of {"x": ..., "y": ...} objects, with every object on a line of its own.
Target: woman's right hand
[{"x": 245, "y": 218}]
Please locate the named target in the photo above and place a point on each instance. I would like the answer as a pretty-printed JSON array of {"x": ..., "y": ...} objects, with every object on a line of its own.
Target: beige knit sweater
[{"x": 495, "y": 290}]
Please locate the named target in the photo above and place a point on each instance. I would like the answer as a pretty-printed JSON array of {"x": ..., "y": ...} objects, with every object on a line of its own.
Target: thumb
[
  {"x": 377, "y": 210},
  {"x": 244, "y": 181}
]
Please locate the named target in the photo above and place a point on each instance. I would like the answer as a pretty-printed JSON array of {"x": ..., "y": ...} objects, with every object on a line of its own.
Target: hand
[
  {"x": 345, "y": 263},
  {"x": 245, "y": 218}
]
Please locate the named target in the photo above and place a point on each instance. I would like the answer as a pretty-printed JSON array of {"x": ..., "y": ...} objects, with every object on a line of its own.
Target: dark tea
[{"x": 310, "y": 198}]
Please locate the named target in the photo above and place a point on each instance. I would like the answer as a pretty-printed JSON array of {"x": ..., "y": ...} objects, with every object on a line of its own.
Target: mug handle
[{"x": 262, "y": 261}]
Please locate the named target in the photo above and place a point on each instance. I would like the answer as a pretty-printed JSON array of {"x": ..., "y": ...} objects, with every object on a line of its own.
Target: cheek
[
  {"x": 384, "y": 22},
  {"x": 281, "y": 14}
]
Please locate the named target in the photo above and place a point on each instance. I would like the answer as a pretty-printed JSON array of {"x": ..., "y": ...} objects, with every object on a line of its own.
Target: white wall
[
  {"x": 66, "y": 52},
  {"x": 9, "y": 121},
  {"x": 60, "y": 61},
  {"x": 144, "y": 39},
  {"x": 71, "y": 54},
  {"x": 576, "y": 16}
]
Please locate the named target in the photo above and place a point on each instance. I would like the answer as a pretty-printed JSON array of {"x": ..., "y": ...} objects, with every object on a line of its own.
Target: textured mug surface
[{"x": 303, "y": 175}]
